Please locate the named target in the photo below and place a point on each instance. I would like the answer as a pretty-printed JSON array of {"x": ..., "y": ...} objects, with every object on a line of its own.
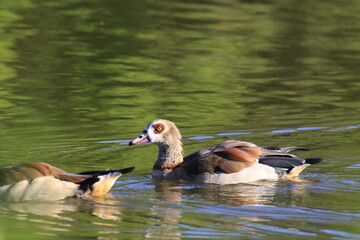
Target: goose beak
[{"x": 143, "y": 138}]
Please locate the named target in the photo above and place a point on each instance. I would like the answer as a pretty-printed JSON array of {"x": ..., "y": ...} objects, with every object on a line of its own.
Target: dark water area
[{"x": 79, "y": 79}]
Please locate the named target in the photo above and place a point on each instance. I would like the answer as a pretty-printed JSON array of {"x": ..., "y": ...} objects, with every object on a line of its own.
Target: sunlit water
[{"x": 79, "y": 79}]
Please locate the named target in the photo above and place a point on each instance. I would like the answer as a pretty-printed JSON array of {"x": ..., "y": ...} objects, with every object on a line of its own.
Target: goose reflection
[
  {"x": 249, "y": 194},
  {"x": 102, "y": 207},
  {"x": 167, "y": 212},
  {"x": 56, "y": 217},
  {"x": 172, "y": 195},
  {"x": 255, "y": 194},
  {"x": 220, "y": 199},
  {"x": 259, "y": 193}
]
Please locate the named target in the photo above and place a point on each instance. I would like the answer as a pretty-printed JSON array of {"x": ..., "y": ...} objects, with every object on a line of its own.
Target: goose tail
[
  {"x": 100, "y": 182},
  {"x": 294, "y": 172}
]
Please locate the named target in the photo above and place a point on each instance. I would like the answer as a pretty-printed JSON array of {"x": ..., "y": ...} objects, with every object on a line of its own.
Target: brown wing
[
  {"x": 227, "y": 157},
  {"x": 196, "y": 163},
  {"x": 32, "y": 170}
]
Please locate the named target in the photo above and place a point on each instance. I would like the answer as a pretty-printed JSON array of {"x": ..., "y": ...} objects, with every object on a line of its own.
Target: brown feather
[
  {"x": 251, "y": 149},
  {"x": 228, "y": 157},
  {"x": 27, "y": 171},
  {"x": 227, "y": 166},
  {"x": 233, "y": 154},
  {"x": 32, "y": 170},
  {"x": 75, "y": 178}
]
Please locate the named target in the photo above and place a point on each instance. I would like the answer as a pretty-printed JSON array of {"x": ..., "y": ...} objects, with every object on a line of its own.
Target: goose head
[{"x": 161, "y": 132}]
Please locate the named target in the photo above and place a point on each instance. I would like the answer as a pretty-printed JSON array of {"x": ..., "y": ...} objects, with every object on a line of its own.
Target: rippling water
[{"x": 79, "y": 79}]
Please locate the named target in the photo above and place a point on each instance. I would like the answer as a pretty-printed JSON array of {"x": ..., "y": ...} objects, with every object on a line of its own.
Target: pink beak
[{"x": 143, "y": 138}]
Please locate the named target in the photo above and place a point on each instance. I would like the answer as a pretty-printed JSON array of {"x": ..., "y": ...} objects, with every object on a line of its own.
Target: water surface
[{"x": 79, "y": 79}]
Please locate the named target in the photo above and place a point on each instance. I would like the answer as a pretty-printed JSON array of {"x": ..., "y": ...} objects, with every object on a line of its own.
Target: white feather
[
  {"x": 254, "y": 173},
  {"x": 41, "y": 188}
]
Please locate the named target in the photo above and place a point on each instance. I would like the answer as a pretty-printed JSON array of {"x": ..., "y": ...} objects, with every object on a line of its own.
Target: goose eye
[{"x": 159, "y": 128}]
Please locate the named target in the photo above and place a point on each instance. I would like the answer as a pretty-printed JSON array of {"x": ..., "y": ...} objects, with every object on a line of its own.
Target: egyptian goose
[
  {"x": 229, "y": 162},
  {"x": 42, "y": 181}
]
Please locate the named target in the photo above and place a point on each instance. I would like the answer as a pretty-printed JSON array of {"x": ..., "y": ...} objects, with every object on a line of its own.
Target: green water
[{"x": 79, "y": 79}]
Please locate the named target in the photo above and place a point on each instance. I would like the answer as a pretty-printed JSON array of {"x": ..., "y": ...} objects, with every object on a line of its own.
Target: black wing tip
[
  {"x": 98, "y": 173},
  {"x": 300, "y": 148},
  {"x": 285, "y": 149},
  {"x": 271, "y": 148},
  {"x": 313, "y": 161},
  {"x": 126, "y": 170}
]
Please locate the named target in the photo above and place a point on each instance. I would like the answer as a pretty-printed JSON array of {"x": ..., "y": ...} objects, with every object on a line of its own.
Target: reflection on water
[
  {"x": 78, "y": 78},
  {"x": 41, "y": 208},
  {"x": 98, "y": 68},
  {"x": 57, "y": 216},
  {"x": 100, "y": 207}
]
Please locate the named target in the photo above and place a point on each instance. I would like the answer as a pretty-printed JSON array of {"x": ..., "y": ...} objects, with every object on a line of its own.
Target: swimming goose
[
  {"x": 42, "y": 181},
  {"x": 229, "y": 162}
]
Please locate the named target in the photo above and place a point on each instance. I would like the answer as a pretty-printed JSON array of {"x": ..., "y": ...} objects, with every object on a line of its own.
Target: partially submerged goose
[
  {"x": 227, "y": 163},
  {"x": 42, "y": 181}
]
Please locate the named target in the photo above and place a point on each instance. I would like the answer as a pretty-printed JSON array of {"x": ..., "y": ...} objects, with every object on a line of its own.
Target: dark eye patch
[{"x": 158, "y": 128}]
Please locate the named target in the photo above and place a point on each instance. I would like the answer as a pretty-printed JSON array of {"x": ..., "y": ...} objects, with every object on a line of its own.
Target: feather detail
[
  {"x": 41, "y": 181},
  {"x": 27, "y": 171},
  {"x": 41, "y": 188},
  {"x": 104, "y": 184}
]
